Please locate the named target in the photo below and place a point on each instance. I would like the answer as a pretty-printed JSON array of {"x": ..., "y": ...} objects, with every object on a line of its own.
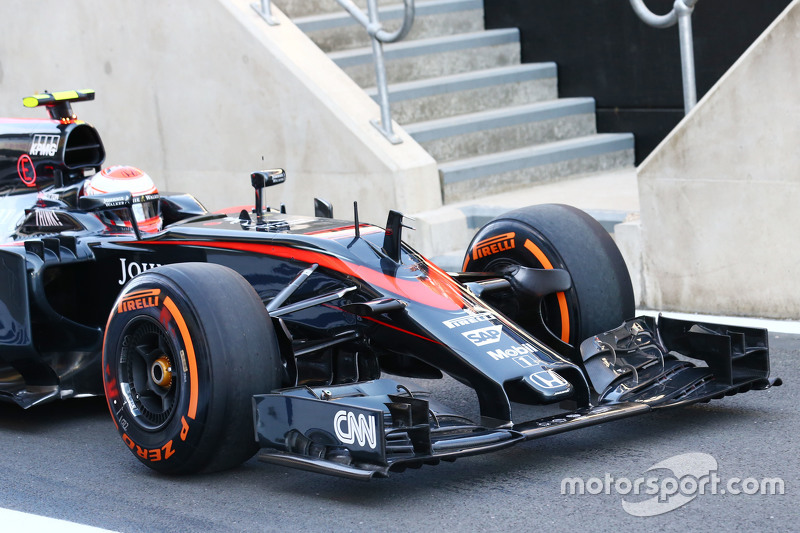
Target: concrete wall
[
  {"x": 719, "y": 197},
  {"x": 199, "y": 93}
]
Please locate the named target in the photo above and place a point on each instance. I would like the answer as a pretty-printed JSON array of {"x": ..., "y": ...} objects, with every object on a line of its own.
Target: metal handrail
[
  {"x": 378, "y": 36},
  {"x": 265, "y": 10},
  {"x": 682, "y": 15}
]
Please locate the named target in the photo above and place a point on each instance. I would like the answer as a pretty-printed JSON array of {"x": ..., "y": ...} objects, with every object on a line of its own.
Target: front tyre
[
  {"x": 558, "y": 236},
  {"x": 186, "y": 347}
]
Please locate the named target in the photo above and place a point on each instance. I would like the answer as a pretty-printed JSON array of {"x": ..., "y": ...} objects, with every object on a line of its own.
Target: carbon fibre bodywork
[{"x": 360, "y": 304}]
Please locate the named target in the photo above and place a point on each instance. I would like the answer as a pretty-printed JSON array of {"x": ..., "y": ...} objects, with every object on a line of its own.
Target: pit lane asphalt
[{"x": 66, "y": 461}]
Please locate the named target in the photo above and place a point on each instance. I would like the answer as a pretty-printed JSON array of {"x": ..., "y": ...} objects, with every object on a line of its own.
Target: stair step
[
  {"x": 303, "y": 8},
  {"x": 340, "y": 31},
  {"x": 470, "y": 92},
  {"x": 439, "y": 56},
  {"x": 505, "y": 129},
  {"x": 492, "y": 124},
  {"x": 609, "y": 197},
  {"x": 465, "y": 179}
]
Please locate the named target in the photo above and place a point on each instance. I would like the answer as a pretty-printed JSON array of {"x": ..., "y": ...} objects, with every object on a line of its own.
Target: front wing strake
[{"x": 368, "y": 429}]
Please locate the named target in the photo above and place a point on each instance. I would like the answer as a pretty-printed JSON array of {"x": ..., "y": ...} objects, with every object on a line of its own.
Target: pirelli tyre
[
  {"x": 558, "y": 236},
  {"x": 186, "y": 347}
]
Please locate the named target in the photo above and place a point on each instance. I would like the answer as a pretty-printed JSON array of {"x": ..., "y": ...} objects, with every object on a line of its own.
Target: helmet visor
[{"x": 147, "y": 212}]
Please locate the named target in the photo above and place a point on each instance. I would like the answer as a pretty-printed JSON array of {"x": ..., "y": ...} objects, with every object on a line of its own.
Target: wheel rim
[{"x": 147, "y": 373}]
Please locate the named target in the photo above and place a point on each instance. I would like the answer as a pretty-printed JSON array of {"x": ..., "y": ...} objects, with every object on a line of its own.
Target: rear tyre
[
  {"x": 186, "y": 347},
  {"x": 558, "y": 236}
]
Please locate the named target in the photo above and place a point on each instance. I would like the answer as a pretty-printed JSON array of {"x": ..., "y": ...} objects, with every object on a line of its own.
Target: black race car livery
[{"x": 225, "y": 334}]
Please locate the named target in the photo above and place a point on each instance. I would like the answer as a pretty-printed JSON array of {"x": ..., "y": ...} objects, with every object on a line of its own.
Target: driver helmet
[{"x": 144, "y": 195}]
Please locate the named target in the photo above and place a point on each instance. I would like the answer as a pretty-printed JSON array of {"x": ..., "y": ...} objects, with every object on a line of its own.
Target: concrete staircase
[{"x": 492, "y": 123}]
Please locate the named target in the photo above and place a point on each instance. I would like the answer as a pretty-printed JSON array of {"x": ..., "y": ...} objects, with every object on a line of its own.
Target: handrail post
[
  {"x": 385, "y": 124},
  {"x": 682, "y": 15},
  {"x": 265, "y": 10},
  {"x": 687, "y": 53},
  {"x": 378, "y": 36}
]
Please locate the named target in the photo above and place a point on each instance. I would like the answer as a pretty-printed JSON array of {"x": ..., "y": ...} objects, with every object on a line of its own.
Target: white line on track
[{"x": 31, "y": 523}]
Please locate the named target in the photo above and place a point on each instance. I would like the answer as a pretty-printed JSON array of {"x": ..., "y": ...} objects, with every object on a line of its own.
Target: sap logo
[
  {"x": 547, "y": 379},
  {"x": 44, "y": 145},
  {"x": 350, "y": 429},
  {"x": 483, "y": 336},
  {"x": 468, "y": 320},
  {"x": 514, "y": 351},
  {"x": 493, "y": 245},
  {"x": 133, "y": 269}
]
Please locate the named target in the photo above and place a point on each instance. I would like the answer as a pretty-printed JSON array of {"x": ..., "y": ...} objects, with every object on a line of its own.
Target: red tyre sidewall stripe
[{"x": 190, "y": 356}]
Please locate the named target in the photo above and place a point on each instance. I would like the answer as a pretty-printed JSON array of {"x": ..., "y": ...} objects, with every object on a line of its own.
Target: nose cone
[
  {"x": 539, "y": 386},
  {"x": 549, "y": 385}
]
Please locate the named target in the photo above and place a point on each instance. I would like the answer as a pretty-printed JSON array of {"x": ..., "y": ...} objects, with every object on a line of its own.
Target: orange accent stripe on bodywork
[
  {"x": 345, "y": 231},
  {"x": 401, "y": 330},
  {"x": 436, "y": 290},
  {"x": 192, "y": 361},
  {"x": 562, "y": 298}
]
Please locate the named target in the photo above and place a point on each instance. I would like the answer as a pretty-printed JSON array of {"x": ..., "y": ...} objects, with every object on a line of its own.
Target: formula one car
[{"x": 215, "y": 335}]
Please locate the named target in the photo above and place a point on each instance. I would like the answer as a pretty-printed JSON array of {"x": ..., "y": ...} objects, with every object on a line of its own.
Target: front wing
[{"x": 368, "y": 429}]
